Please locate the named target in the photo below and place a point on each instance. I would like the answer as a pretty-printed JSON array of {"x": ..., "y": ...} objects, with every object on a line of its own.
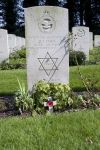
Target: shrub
[
  {"x": 17, "y": 60},
  {"x": 42, "y": 90},
  {"x": 61, "y": 93},
  {"x": 13, "y": 64},
  {"x": 22, "y": 53},
  {"x": 4, "y": 65},
  {"x": 18, "y": 54},
  {"x": 40, "y": 94},
  {"x": 76, "y": 56}
]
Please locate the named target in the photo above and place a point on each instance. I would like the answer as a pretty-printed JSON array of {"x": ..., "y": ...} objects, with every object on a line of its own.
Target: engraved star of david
[{"x": 48, "y": 64}]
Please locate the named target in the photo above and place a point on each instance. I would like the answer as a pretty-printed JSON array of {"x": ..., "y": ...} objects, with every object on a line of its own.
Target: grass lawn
[
  {"x": 9, "y": 84},
  {"x": 92, "y": 71},
  {"x": 94, "y": 55},
  {"x": 68, "y": 131},
  {"x": 8, "y": 80}
]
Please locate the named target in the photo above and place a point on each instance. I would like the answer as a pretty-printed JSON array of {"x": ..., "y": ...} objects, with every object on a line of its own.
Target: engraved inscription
[
  {"x": 46, "y": 23},
  {"x": 48, "y": 64}
]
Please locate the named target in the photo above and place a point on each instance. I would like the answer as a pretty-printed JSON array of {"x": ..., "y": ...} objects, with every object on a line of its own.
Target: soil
[
  {"x": 9, "y": 109},
  {"x": 6, "y": 106}
]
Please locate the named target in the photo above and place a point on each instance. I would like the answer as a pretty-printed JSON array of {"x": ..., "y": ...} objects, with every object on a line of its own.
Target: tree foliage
[
  {"x": 84, "y": 12},
  {"x": 10, "y": 15},
  {"x": 81, "y": 12},
  {"x": 30, "y": 3},
  {"x": 20, "y": 29},
  {"x": 51, "y": 3},
  {"x": 2, "y": 8}
]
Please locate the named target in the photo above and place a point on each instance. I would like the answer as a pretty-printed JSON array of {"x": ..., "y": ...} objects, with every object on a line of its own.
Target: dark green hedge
[{"x": 76, "y": 57}]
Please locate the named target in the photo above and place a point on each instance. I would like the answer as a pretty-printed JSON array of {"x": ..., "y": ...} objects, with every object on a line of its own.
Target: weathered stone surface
[
  {"x": 4, "y": 48},
  {"x": 81, "y": 39},
  {"x": 20, "y": 42},
  {"x": 96, "y": 40},
  {"x": 91, "y": 40},
  {"x": 12, "y": 42},
  {"x": 46, "y": 44}
]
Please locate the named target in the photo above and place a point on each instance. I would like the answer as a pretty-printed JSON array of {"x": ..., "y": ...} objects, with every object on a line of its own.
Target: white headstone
[
  {"x": 23, "y": 42},
  {"x": 4, "y": 48},
  {"x": 81, "y": 39},
  {"x": 12, "y": 42},
  {"x": 46, "y": 38},
  {"x": 91, "y": 40},
  {"x": 96, "y": 40},
  {"x": 18, "y": 42},
  {"x": 70, "y": 41}
]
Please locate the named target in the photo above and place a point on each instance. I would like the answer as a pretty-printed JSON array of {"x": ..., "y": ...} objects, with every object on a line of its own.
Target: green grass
[
  {"x": 9, "y": 84},
  {"x": 68, "y": 131},
  {"x": 8, "y": 80},
  {"x": 92, "y": 71},
  {"x": 95, "y": 54}
]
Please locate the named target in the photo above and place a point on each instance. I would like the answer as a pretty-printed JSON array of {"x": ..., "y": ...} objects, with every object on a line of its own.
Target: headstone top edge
[
  {"x": 80, "y": 27},
  {"x": 43, "y": 7},
  {"x": 97, "y": 35},
  {"x": 11, "y": 34},
  {"x": 4, "y": 30}
]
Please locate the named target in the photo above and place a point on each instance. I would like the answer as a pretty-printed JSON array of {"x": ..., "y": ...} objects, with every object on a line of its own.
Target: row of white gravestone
[
  {"x": 9, "y": 43},
  {"x": 80, "y": 39},
  {"x": 4, "y": 46},
  {"x": 47, "y": 44},
  {"x": 83, "y": 40},
  {"x": 96, "y": 40},
  {"x": 15, "y": 42}
]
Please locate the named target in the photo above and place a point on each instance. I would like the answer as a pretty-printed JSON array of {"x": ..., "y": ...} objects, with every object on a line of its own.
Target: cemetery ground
[
  {"x": 9, "y": 83},
  {"x": 49, "y": 115},
  {"x": 72, "y": 131},
  {"x": 9, "y": 73},
  {"x": 67, "y": 130}
]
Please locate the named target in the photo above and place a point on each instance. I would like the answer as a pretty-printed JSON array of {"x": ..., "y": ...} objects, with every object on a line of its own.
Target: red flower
[{"x": 50, "y": 103}]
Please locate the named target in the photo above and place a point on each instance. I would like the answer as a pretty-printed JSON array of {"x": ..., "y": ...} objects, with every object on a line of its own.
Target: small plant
[
  {"x": 91, "y": 82},
  {"x": 41, "y": 91},
  {"x": 3, "y": 106},
  {"x": 59, "y": 92},
  {"x": 77, "y": 101},
  {"x": 96, "y": 98},
  {"x": 23, "y": 99},
  {"x": 62, "y": 94}
]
